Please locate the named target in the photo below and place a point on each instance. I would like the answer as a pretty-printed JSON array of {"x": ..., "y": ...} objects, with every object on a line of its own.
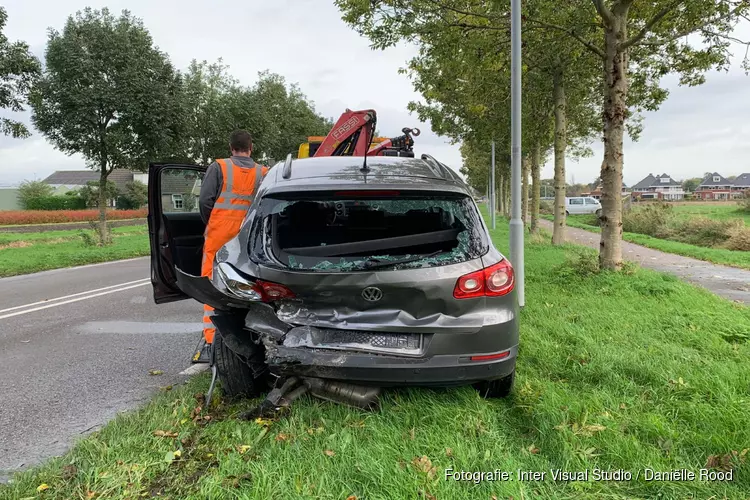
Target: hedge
[
  {"x": 56, "y": 203},
  {"x": 18, "y": 217}
]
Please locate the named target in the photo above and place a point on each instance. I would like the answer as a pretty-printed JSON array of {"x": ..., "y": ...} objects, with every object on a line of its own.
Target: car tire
[
  {"x": 500, "y": 388},
  {"x": 241, "y": 365},
  {"x": 599, "y": 213},
  {"x": 567, "y": 214}
]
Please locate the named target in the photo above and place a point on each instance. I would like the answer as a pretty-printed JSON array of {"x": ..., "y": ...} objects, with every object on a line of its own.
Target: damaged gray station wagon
[{"x": 376, "y": 276}]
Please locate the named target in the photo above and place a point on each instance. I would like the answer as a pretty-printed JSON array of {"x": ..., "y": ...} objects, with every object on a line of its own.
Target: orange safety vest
[{"x": 237, "y": 194}]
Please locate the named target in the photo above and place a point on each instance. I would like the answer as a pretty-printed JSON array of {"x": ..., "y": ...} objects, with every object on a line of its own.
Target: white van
[{"x": 582, "y": 205}]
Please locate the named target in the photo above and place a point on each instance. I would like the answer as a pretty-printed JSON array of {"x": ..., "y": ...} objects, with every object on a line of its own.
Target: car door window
[
  {"x": 576, "y": 201},
  {"x": 180, "y": 189},
  {"x": 591, "y": 201}
]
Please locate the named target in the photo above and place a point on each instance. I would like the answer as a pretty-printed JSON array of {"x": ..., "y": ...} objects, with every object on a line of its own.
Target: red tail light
[
  {"x": 274, "y": 291},
  {"x": 492, "y": 281},
  {"x": 490, "y": 357}
]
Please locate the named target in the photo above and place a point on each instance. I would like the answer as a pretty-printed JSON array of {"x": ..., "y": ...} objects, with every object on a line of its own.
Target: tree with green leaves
[
  {"x": 463, "y": 72},
  {"x": 208, "y": 111},
  {"x": 29, "y": 191},
  {"x": 94, "y": 196},
  {"x": 633, "y": 43},
  {"x": 18, "y": 68},
  {"x": 278, "y": 116},
  {"x": 637, "y": 42},
  {"x": 134, "y": 196},
  {"x": 108, "y": 94},
  {"x": 690, "y": 185},
  {"x": 566, "y": 74}
]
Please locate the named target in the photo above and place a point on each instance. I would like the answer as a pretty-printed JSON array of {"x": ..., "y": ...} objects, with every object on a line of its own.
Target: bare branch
[
  {"x": 650, "y": 24},
  {"x": 692, "y": 29},
  {"x": 593, "y": 48},
  {"x": 726, "y": 37},
  {"x": 460, "y": 23},
  {"x": 477, "y": 27},
  {"x": 603, "y": 11},
  {"x": 440, "y": 5}
]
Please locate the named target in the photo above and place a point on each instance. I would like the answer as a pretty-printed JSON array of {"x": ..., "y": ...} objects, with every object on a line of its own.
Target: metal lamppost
[
  {"x": 493, "y": 197},
  {"x": 516, "y": 224}
]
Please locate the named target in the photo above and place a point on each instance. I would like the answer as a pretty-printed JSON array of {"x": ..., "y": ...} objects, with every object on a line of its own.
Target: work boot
[{"x": 202, "y": 352}]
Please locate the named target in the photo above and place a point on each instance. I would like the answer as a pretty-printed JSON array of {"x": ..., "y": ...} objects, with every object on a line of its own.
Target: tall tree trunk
[
  {"x": 507, "y": 192},
  {"x": 525, "y": 168},
  {"x": 535, "y": 186},
  {"x": 615, "y": 111},
  {"x": 499, "y": 198},
  {"x": 558, "y": 232},
  {"x": 103, "y": 233}
]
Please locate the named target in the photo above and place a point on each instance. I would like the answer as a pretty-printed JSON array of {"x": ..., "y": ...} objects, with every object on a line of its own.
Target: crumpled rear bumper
[
  {"x": 238, "y": 317},
  {"x": 364, "y": 368}
]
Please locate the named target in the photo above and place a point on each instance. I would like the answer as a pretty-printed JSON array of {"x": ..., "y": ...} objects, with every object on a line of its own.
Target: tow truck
[{"x": 352, "y": 135}]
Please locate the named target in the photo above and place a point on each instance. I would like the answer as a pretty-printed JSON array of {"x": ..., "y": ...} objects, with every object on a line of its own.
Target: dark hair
[{"x": 240, "y": 140}]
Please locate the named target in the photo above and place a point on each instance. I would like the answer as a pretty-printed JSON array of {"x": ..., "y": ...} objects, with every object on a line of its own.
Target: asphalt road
[{"x": 76, "y": 348}]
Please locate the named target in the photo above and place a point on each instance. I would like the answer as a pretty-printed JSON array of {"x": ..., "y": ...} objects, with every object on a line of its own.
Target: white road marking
[
  {"x": 18, "y": 313},
  {"x": 197, "y": 368},
  {"x": 46, "y": 301}
]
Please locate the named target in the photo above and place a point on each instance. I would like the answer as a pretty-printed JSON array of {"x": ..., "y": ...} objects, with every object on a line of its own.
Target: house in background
[
  {"x": 68, "y": 180},
  {"x": 714, "y": 187},
  {"x": 658, "y": 187},
  {"x": 717, "y": 187},
  {"x": 741, "y": 186},
  {"x": 179, "y": 191}
]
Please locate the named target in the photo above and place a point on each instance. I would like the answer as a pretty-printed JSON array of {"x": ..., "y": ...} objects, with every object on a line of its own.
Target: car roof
[{"x": 338, "y": 172}]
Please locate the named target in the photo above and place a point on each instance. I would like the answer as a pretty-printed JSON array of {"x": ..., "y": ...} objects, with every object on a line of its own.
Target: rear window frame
[{"x": 260, "y": 246}]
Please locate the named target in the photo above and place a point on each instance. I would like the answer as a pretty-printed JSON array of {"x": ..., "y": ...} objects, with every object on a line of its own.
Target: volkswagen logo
[{"x": 372, "y": 294}]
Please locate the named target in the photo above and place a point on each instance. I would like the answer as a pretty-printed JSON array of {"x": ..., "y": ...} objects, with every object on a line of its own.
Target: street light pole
[
  {"x": 516, "y": 224},
  {"x": 492, "y": 183}
]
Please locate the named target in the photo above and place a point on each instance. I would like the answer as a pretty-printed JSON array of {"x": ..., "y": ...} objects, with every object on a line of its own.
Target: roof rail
[
  {"x": 286, "y": 172},
  {"x": 433, "y": 164},
  {"x": 438, "y": 168}
]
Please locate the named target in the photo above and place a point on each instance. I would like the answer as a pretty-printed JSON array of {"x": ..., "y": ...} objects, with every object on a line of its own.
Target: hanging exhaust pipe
[{"x": 366, "y": 398}]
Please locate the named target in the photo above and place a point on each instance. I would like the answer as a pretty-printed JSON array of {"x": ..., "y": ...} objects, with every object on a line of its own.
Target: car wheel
[
  {"x": 240, "y": 364},
  {"x": 567, "y": 214},
  {"x": 499, "y": 388},
  {"x": 599, "y": 213}
]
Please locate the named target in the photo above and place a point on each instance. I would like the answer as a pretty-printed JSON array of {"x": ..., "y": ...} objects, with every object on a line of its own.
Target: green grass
[
  {"x": 721, "y": 256},
  {"x": 615, "y": 371},
  {"x": 727, "y": 211},
  {"x": 22, "y": 253}
]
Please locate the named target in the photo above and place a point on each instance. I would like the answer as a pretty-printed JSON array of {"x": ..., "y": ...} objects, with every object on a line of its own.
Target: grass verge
[
  {"x": 732, "y": 258},
  {"x": 23, "y": 253},
  {"x": 627, "y": 372},
  {"x": 724, "y": 211}
]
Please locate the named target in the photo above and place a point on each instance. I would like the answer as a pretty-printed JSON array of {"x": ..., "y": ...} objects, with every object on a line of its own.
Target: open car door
[{"x": 175, "y": 227}]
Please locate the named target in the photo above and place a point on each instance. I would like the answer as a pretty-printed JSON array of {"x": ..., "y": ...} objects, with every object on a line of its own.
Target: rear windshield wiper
[{"x": 374, "y": 263}]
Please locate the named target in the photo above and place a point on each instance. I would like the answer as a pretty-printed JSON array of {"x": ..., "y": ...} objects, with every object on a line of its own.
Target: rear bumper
[{"x": 439, "y": 370}]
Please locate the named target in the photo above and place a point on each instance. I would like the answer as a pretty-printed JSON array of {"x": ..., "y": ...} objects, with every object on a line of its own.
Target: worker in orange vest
[{"x": 227, "y": 192}]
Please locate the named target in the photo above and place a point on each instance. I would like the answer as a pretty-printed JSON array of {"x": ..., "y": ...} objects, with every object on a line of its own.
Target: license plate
[{"x": 404, "y": 344}]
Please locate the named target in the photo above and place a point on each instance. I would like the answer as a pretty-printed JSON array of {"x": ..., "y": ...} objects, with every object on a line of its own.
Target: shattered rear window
[{"x": 345, "y": 235}]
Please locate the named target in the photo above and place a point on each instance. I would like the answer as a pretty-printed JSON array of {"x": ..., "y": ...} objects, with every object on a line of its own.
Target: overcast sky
[{"x": 697, "y": 129}]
